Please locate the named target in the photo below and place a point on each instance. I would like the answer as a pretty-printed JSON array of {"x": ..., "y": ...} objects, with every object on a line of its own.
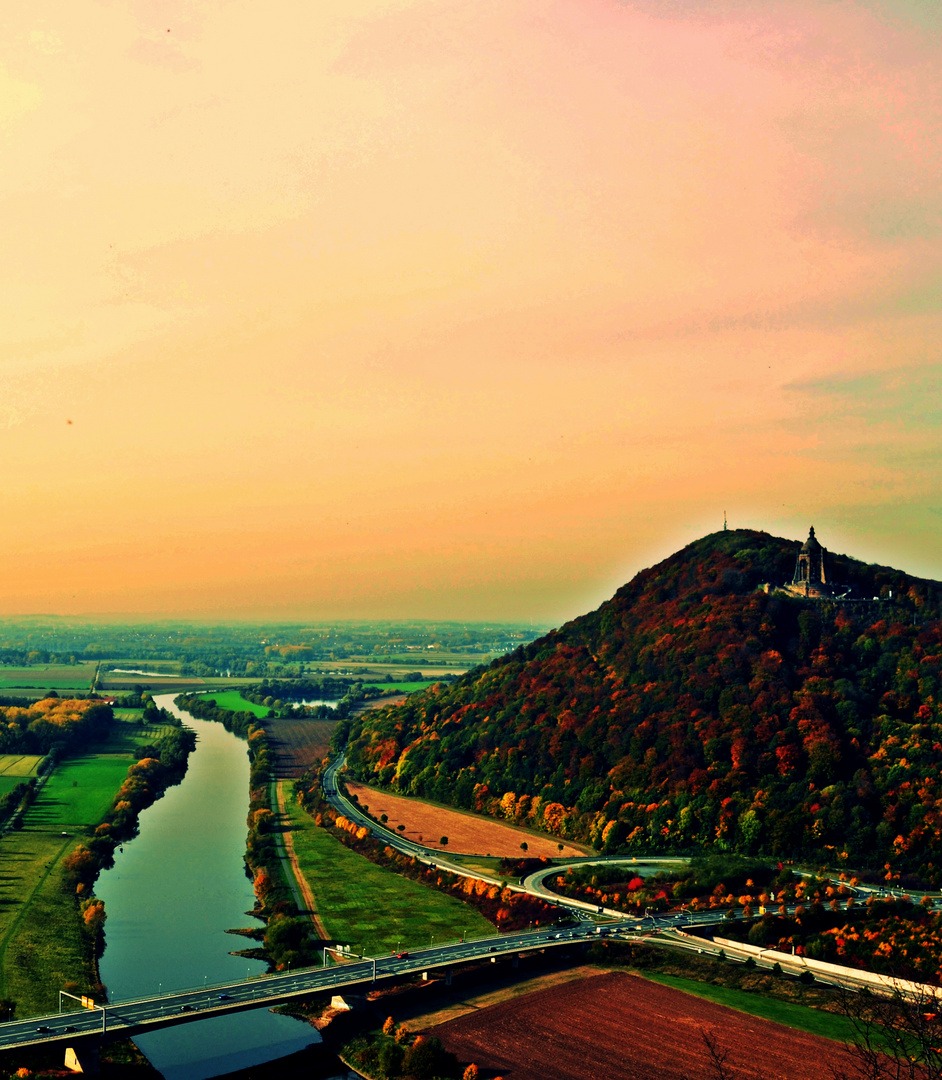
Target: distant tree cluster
[{"x": 280, "y": 650}]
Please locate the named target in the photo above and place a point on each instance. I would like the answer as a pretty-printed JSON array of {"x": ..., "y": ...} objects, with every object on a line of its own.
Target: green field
[
  {"x": 232, "y": 699},
  {"x": 79, "y": 792},
  {"x": 8, "y": 783},
  {"x": 363, "y": 905},
  {"x": 128, "y": 736},
  {"x": 40, "y": 948},
  {"x": 401, "y": 687},
  {"x": 487, "y": 866}
]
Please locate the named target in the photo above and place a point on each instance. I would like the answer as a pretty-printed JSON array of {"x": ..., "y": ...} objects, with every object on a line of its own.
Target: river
[{"x": 172, "y": 894}]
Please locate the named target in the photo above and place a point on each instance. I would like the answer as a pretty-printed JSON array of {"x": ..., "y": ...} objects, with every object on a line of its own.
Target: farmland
[
  {"x": 298, "y": 744},
  {"x": 401, "y": 687},
  {"x": 40, "y": 948},
  {"x": 19, "y": 766},
  {"x": 43, "y": 677},
  {"x": 467, "y": 833},
  {"x": 626, "y": 1028}
]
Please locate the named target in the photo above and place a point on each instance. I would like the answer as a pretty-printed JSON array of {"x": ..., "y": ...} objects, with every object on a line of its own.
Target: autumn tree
[{"x": 427, "y": 1058}]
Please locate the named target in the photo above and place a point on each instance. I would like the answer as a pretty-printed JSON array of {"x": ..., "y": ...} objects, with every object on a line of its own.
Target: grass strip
[
  {"x": 800, "y": 1017},
  {"x": 40, "y": 946},
  {"x": 362, "y": 904},
  {"x": 80, "y": 791}
]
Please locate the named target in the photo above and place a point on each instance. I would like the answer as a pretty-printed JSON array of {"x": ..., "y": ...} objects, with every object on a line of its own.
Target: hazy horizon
[{"x": 460, "y": 309}]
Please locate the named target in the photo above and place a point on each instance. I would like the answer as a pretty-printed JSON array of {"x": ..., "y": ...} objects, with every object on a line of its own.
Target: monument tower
[{"x": 810, "y": 573}]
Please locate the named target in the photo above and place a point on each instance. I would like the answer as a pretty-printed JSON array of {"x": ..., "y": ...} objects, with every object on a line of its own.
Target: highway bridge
[{"x": 125, "y": 1019}]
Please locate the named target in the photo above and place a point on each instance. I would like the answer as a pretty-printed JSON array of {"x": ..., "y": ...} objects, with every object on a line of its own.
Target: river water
[{"x": 172, "y": 894}]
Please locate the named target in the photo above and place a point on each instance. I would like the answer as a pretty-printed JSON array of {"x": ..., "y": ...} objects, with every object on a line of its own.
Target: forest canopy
[{"x": 52, "y": 722}]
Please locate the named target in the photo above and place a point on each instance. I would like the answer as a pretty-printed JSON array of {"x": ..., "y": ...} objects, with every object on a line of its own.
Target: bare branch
[{"x": 717, "y": 1056}]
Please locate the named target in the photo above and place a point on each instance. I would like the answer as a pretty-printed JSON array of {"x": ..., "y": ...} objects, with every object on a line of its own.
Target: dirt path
[
  {"x": 459, "y": 1001},
  {"x": 300, "y": 882}
]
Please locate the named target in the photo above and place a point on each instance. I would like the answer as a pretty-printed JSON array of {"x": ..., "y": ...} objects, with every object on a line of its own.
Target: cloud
[{"x": 908, "y": 396}]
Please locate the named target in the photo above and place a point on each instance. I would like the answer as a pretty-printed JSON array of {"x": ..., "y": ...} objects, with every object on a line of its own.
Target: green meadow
[
  {"x": 232, "y": 699},
  {"x": 40, "y": 946},
  {"x": 363, "y": 905},
  {"x": 8, "y": 783},
  {"x": 80, "y": 791},
  {"x": 401, "y": 687},
  {"x": 128, "y": 736}
]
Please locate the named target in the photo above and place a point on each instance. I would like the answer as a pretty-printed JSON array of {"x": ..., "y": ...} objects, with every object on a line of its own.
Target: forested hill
[{"x": 693, "y": 709}]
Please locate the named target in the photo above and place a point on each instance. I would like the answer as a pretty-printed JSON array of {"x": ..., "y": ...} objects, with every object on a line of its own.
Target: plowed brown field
[
  {"x": 620, "y": 1027},
  {"x": 467, "y": 834},
  {"x": 298, "y": 744}
]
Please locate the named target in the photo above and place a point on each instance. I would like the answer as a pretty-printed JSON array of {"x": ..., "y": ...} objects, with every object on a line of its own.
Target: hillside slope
[{"x": 693, "y": 709}]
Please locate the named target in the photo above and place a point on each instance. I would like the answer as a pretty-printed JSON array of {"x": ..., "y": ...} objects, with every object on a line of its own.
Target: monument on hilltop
[{"x": 811, "y": 576}]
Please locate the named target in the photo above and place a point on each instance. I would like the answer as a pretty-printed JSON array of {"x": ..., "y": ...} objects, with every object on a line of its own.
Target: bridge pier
[{"x": 84, "y": 1059}]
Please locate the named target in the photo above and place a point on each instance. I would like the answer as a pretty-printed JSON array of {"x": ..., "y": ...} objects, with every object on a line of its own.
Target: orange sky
[{"x": 459, "y": 308}]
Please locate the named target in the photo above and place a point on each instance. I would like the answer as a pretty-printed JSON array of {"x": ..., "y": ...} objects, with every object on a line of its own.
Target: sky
[{"x": 459, "y": 309}]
